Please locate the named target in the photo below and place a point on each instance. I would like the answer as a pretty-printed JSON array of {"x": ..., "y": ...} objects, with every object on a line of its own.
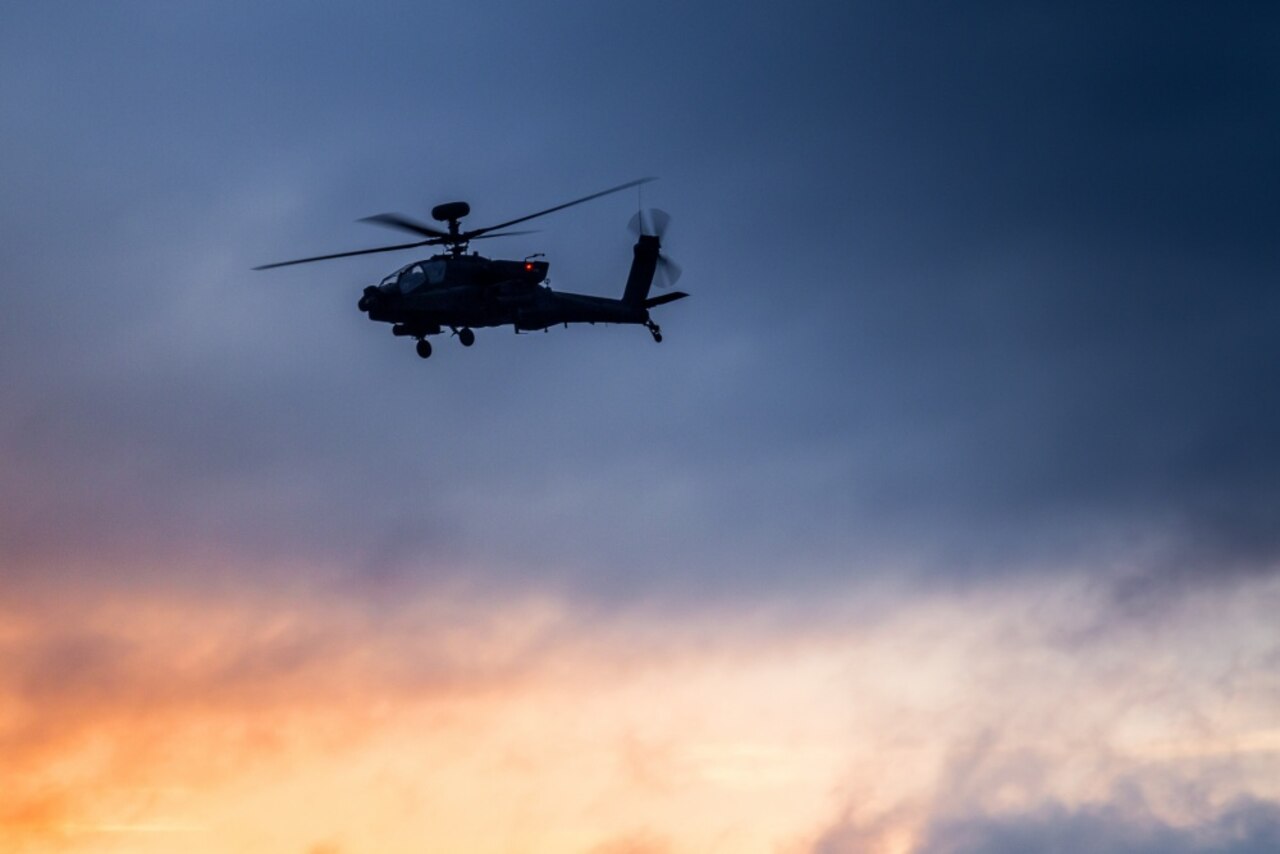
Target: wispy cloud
[{"x": 978, "y": 710}]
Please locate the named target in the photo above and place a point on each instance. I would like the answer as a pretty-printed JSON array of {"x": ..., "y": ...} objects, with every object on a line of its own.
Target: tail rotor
[{"x": 653, "y": 222}]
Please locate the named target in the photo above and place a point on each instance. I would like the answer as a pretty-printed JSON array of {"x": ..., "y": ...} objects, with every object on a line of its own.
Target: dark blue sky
[{"x": 989, "y": 282}]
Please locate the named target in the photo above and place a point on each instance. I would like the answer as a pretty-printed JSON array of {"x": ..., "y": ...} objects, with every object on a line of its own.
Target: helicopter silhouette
[{"x": 462, "y": 292}]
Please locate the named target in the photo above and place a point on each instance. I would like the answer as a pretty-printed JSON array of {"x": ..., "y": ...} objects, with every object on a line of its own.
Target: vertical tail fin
[{"x": 642, "y": 269}]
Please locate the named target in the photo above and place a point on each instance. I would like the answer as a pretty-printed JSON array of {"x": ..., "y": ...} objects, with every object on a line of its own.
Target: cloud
[
  {"x": 639, "y": 842},
  {"x": 1244, "y": 826},
  {"x": 223, "y": 712},
  {"x": 850, "y": 835},
  {"x": 137, "y": 715},
  {"x": 1054, "y": 711},
  {"x": 1015, "y": 311}
]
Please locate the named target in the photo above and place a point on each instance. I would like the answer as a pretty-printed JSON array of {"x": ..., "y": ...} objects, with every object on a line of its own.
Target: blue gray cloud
[
  {"x": 975, "y": 291},
  {"x": 1245, "y": 826}
]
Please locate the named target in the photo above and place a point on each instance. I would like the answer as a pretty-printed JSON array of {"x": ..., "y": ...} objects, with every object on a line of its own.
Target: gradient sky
[{"x": 945, "y": 519}]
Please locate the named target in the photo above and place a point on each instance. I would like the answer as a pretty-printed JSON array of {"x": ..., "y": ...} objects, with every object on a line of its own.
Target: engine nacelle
[{"x": 515, "y": 292}]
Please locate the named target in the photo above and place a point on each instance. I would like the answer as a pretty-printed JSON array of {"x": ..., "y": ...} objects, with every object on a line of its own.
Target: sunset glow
[
  {"x": 267, "y": 723},
  {"x": 941, "y": 515}
]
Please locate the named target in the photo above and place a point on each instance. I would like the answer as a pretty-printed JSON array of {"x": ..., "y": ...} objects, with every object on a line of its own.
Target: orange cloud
[{"x": 271, "y": 720}]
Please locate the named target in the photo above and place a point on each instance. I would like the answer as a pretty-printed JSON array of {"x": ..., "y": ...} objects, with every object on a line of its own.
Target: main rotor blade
[
  {"x": 479, "y": 231},
  {"x": 404, "y": 223},
  {"x": 347, "y": 254},
  {"x": 487, "y": 235}
]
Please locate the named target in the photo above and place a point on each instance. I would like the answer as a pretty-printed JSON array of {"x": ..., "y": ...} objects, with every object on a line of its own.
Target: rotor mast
[{"x": 452, "y": 213}]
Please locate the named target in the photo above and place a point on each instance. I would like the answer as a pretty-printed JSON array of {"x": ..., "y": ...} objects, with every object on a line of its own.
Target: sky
[{"x": 946, "y": 517}]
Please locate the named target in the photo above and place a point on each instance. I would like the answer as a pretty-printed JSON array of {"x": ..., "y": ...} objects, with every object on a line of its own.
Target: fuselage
[{"x": 460, "y": 291}]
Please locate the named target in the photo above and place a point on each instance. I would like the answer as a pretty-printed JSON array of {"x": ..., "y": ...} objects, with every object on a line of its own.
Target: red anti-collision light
[{"x": 528, "y": 266}]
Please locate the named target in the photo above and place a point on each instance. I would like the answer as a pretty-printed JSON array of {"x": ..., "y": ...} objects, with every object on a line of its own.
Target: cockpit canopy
[{"x": 410, "y": 277}]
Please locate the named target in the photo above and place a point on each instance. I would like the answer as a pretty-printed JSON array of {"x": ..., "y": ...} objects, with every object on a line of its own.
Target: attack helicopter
[{"x": 463, "y": 292}]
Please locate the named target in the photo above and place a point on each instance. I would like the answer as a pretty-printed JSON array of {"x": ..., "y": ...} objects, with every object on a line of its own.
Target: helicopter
[{"x": 463, "y": 292}]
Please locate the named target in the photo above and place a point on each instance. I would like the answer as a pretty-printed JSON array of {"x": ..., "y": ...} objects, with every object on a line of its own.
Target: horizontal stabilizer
[{"x": 664, "y": 299}]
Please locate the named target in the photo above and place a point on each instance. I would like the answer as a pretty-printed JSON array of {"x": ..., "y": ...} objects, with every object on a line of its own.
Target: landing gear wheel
[
  {"x": 424, "y": 348},
  {"x": 655, "y": 331},
  {"x": 466, "y": 336}
]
